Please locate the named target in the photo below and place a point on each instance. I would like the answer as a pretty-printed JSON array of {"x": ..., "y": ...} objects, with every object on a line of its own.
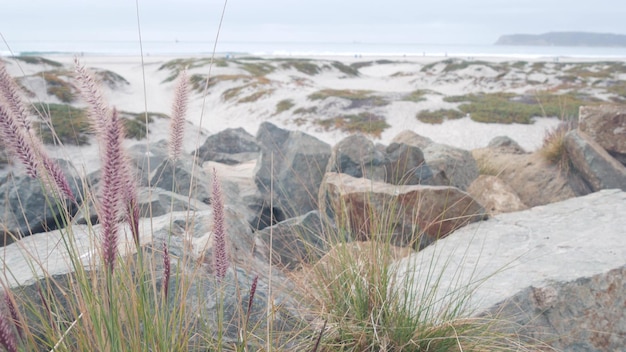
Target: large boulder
[
  {"x": 27, "y": 208},
  {"x": 412, "y": 215},
  {"x": 555, "y": 272},
  {"x": 230, "y": 146},
  {"x": 606, "y": 125},
  {"x": 293, "y": 242},
  {"x": 505, "y": 144},
  {"x": 596, "y": 166},
  {"x": 457, "y": 166},
  {"x": 290, "y": 168},
  {"x": 495, "y": 195},
  {"x": 398, "y": 163}
]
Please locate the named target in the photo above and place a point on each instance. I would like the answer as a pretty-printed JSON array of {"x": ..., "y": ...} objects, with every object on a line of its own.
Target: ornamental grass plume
[
  {"x": 21, "y": 142},
  {"x": 220, "y": 255},
  {"x": 15, "y": 318},
  {"x": 179, "y": 110},
  {"x": 7, "y": 336},
  {"x": 112, "y": 187}
]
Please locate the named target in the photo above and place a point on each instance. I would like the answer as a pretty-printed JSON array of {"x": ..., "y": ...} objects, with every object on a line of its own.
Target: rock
[
  {"x": 412, "y": 138},
  {"x": 534, "y": 180},
  {"x": 413, "y": 215},
  {"x": 398, "y": 163},
  {"x": 230, "y": 146},
  {"x": 145, "y": 157},
  {"x": 357, "y": 156},
  {"x": 156, "y": 202},
  {"x": 597, "y": 167},
  {"x": 455, "y": 166},
  {"x": 506, "y": 145},
  {"x": 290, "y": 169},
  {"x": 556, "y": 272},
  {"x": 184, "y": 178},
  {"x": 29, "y": 209},
  {"x": 495, "y": 195},
  {"x": 294, "y": 241},
  {"x": 606, "y": 125}
]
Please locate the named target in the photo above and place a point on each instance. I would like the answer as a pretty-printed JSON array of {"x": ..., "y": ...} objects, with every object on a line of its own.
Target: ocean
[{"x": 309, "y": 49}]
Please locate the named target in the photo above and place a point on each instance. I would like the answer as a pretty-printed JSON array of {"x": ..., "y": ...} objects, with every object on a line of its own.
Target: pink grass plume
[
  {"x": 220, "y": 253},
  {"x": 179, "y": 111}
]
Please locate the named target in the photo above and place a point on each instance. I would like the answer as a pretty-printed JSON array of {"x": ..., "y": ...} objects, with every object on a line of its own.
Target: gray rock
[
  {"x": 230, "y": 146},
  {"x": 451, "y": 166},
  {"x": 505, "y": 144},
  {"x": 290, "y": 169},
  {"x": 294, "y": 241},
  {"x": 555, "y": 271},
  {"x": 145, "y": 157},
  {"x": 27, "y": 208},
  {"x": 184, "y": 178},
  {"x": 606, "y": 125},
  {"x": 596, "y": 166}
]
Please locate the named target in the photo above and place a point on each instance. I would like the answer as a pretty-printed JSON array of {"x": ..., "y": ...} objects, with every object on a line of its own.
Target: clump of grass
[
  {"x": 302, "y": 65},
  {"x": 178, "y": 65},
  {"x": 357, "y": 97},
  {"x": 63, "y": 123},
  {"x": 58, "y": 86},
  {"x": 37, "y": 60},
  {"x": 257, "y": 68},
  {"x": 553, "y": 147},
  {"x": 438, "y": 116},
  {"x": 284, "y": 105},
  {"x": 348, "y": 70},
  {"x": 511, "y": 108},
  {"x": 416, "y": 96},
  {"x": 305, "y": 111},
  {"x": 364, "y": 122},
  {"x": 256, "y": 96}
]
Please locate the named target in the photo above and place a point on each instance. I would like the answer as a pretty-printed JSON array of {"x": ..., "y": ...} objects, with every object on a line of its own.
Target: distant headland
[{"x": 565, "y": 39}]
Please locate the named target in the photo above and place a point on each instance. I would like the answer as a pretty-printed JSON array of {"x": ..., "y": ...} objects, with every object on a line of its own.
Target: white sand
[{"x": 211, "y": 114}]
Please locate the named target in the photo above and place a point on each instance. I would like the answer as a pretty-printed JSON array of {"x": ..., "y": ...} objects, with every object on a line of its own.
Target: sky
[{"x": 366, "y": 21}]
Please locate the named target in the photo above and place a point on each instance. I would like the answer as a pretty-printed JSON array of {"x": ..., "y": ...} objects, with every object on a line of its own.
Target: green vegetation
[
  {"x": 304, "y": 111},
  {"x": 111, "y": 79},
  {"x": 37, "y": 60},
  {"x": 178, "y": 65},
  {"x": 302, "y": 65},
  {"x": 438, "y": 116},
  {"x": 62, "y": 121},
  {"x": 416, "y": 96},
  {"x": 198, "y": 81},
  {"x": 284, "y": 105},
  {"x": 358, "y": 97},
  {"x": 135, "y": 123},
  {"x": 256, "y": 96},
  {"x": 348, "y": 70},
  {"x": 511, "y": 108},
  {"x": 257, "y": 68},
  {"x": 361, "y": 64},
  {"x": 256, "y": 83},
  {"x": 364, "y": 122},
  {"x": 57, "y": 85}
]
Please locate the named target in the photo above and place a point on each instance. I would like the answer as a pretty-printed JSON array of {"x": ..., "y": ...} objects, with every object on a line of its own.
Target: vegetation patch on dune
[
  {"x": 111, "y": 79},
  {"x": 364, "y": 122},
  {"x": 438, "y": 116},
  {"x": 65, "y": 122},
  {"x": 57, "y": 84},
  {"x": 256, "y": 96},
  {"x": 304, "y": 111},
  {"x": 178, "y": 65},
  {"x": 348, "y": 70},
  {"x": 284, "y": 105},
  {"x": 37, "y": 60},
  {"x": 256, "y": 68},
  {"x": 198, "y": 81},
  {"x": 416, "y": 96},
  {"x": 357, "y": 97},
  {"x": 512, "y": 108},
  {"x": 305, "y": 66}
]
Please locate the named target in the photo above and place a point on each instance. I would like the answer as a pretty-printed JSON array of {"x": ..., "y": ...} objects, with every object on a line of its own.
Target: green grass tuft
[
  {"x": 284, "y": 105},
  {"x": 364, "y": 122},
  {"x": 438, "y": 116}
]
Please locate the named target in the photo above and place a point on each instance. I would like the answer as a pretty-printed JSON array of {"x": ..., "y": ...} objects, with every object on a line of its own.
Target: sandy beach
[{"x": 308, "y": 94}]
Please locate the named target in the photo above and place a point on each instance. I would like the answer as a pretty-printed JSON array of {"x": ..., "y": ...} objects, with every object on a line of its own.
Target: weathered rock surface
[
  {"x": 290, "y": 168},
  {"x": 455, "y": 165},
  {"x": 294, "y": 241},
  {"x": 596, "y": 166},
  {"x": 413, "y": 215},
  {"x": 606, "y": 125},
  {"x": 398, "y": 163},
  {"x": 495, "y": 195},
  {"x": 556, "y": 271},
  {"x": 230, "y": 146}
]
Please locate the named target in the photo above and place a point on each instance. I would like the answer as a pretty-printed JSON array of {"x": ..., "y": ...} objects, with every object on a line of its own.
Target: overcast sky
[{"x": 394, "y": 21}]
